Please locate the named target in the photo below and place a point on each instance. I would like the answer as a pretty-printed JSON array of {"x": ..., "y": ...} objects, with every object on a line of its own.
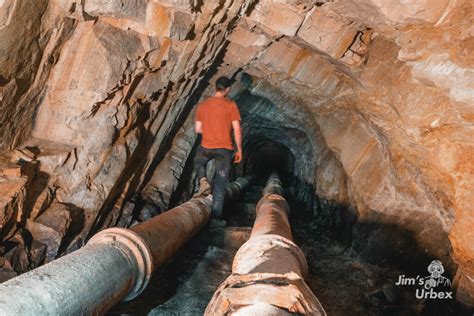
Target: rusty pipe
[
  {"x": 116, "y": 264},
  {"x": 273, "y": 186},
  {"x": 167, "y": 232},
  {"x": 268, "y": 270},
  {"x": 235, "y": 189}
]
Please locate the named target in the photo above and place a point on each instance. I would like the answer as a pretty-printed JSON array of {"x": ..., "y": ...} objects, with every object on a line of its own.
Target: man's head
[{"x": 223, "y": 85}]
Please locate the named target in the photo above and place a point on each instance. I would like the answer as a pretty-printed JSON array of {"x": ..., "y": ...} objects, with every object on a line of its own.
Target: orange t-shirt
[{"x": 216, "y": 115}]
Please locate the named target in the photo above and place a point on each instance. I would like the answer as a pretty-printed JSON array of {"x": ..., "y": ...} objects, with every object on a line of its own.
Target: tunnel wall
[
  {"x": 381, "y": 90},
  {"x": 32, "y": 35},
  {"x": 373, "y": 91},
  {"x": 119, "y": 88}
]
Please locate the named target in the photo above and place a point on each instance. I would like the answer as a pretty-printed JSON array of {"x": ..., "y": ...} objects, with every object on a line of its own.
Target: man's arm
[
  {"x": 198, "y": 127},
  {"x": 238, "y": 140}
]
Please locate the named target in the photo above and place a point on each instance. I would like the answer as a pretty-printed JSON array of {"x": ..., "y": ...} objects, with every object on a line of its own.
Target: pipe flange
[
  {"x": 136, "y": 250},
  {"x": 263, "y": 244}
]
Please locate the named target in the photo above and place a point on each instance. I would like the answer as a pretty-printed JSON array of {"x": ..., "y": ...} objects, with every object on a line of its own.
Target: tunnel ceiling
[{"x": 373, "y": 98}]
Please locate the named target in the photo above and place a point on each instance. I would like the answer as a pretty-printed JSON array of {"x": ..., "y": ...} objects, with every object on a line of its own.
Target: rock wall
[
  {"x": 384, "y": 90},
  {"x": 119, "y": 86},
  {"x": 32, "y": 35},
  {"x": 373, "y": 98}
]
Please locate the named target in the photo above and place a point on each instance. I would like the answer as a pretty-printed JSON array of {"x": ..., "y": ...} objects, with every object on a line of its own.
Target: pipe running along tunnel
[
  {"x": 362, "y": 108},
  {"x": 269, "y": 273},
  {"x": 268, "y": 270},
  {"x": 116, "y": 264}
]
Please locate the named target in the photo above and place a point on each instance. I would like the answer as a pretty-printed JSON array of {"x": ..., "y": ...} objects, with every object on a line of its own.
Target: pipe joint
[
  {"x": 257, "y": 253},
  {"x": 235, "y": 189},
  {"x": 135, "y": 249},
  {"x": 253, "y": 294}
]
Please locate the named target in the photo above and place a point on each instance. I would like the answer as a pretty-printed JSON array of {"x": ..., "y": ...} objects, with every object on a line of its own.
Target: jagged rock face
[
  {"x": 123, "y": 82},
  {"x": 32, "y": 35},
  {"x": 373, "y": 98},
  {"x": 389, "y": 89}
]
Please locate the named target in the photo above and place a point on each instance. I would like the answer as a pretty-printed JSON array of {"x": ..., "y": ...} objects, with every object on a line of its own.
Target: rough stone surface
[
  {"x": 373, "y": 98},
  {"x": 51, "y": 227},
  {"x": 11, "y": 202},
  {"x": 6, "y": 274},
  {"x": 33, "y": 33}
]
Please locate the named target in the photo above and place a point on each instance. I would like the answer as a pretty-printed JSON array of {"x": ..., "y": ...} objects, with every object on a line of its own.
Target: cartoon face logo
[{"x": 436, "y": 270}]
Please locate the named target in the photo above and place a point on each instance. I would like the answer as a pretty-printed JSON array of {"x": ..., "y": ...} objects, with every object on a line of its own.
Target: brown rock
[
  {"x": 11, "y": 202},
  {"x": 22, "y": 78},
  {"x": 182, "y": 25},
  {"x": 50, "y": 228},
  {"x": 280, "y": 17},
  {"x": 246, "y": 38},
  {"x": 6, "y": 275},
  {"x": 9, "y": 169},
  {"x": 135, "y": 10},
  {"x": 37, "y": 254},
  {"x": 18, "y": 258},
  {"x": 327, "y": 32}
]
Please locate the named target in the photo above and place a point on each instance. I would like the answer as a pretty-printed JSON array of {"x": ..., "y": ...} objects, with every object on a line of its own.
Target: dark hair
[{"x": 222, "y": 83}]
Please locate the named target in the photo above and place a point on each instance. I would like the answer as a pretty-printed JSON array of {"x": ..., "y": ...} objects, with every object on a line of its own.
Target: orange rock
[{"x": 11, "y": 202}]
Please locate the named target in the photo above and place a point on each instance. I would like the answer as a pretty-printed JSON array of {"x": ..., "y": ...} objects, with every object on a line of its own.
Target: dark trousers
[{"x": 223, "y": 158}]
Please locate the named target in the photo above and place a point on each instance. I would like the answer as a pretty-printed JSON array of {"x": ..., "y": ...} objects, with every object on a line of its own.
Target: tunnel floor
[{"x": 343, "y": 283}]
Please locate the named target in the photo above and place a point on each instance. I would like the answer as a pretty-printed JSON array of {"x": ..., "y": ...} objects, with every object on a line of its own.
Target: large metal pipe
[
  {"x": 116, "y": 264},
  {"x": 235, "y": 189},
  {"x": 268, "y": 270},
  {"x": 273, "y": 186}
]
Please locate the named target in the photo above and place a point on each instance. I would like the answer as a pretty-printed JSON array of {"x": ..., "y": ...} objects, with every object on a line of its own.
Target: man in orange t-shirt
[{"x": 215, "y": 119}]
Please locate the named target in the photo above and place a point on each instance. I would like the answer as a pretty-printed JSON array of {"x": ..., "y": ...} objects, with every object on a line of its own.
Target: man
[{"x": 215, "y": 118}]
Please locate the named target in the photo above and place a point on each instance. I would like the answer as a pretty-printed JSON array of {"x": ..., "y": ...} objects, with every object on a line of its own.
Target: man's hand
[
  {"x": 238, "y": 141},
  {"x": 238, "y": 156},
  {"x": 198, "y": 127}
]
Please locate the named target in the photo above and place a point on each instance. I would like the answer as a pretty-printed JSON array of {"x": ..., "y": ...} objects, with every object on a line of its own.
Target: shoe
[
  {"x": 204, "y": 188},
  {"x": 217, "y": 223}
]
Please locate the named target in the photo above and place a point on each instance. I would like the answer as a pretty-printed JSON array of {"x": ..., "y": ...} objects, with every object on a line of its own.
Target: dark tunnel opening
[{"x": 264, "y": 156}]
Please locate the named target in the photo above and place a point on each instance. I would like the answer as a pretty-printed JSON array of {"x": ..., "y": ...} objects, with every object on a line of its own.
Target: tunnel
[
  {"x": 357, "y": 139},
  {"x": 265, "y": 156}
]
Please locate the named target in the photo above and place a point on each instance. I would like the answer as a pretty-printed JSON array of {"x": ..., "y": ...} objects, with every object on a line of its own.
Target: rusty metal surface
[
  {"x": 272, "y": 217},
  {"x": 273, "y": 186},
  {"x": 270, "y": 254},
  {"x": 288, "y": 292},
  {"x": 166, "y": 233},
  {"x": 235, "y": 189},
  {"x": 116, "y": 263},
  {"x": 268, "y": 270}
]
